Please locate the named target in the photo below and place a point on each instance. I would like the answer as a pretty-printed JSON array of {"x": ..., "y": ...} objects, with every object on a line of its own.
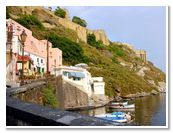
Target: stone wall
[
  {"x": 69, "y": 95},
  {"x": 48, "y": 16},
  {"x": 141, "y": 54},
  {"x": 100, "y": 35},
  {"x": 21, "y": 113}
]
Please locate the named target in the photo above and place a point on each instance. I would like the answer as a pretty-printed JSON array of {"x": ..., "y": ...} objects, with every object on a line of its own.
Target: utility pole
[{"x": 47, "y": 56}]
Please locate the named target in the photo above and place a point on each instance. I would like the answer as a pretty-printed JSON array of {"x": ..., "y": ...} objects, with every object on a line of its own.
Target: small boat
[
  {"x": 119, "y": 103},
  {"x": 122, "y": 106},
  {"x": 123, "y": 109},
  {"x": 116, "y": 117}
]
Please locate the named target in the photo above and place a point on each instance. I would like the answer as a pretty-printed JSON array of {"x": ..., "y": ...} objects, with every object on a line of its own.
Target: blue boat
[{"x": 115, "y": 116}]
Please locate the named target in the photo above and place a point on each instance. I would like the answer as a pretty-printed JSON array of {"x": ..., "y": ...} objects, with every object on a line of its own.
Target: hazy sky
[{"x": 144, "y": 27}]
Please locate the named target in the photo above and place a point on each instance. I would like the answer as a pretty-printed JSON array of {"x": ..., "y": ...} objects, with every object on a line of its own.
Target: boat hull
[
  {"x": 122, "y": 107},
  {"x": 119, "y": 103},
  {"x": 115, "y": 118}
]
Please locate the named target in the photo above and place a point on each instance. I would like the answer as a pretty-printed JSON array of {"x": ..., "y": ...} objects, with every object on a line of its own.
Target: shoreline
[{"x": 78, "y": 108}]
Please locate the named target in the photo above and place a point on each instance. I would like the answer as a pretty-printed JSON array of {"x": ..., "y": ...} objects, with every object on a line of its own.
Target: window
[
  {"x": 76, "y": 78},
  {"x": 41, "y": 60},
  {"x": 38, "y": 60},
  {"x": 29, "y": 65},
  {"x": 65, "y": 73},
  {"x": 42, "y": 70}
]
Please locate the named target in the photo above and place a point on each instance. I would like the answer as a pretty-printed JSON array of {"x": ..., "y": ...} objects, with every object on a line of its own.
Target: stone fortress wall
[
  {"x": 82, "y": 32},
  {"x": 100, "y": 34},
  {"x": 142, "y": 54}
]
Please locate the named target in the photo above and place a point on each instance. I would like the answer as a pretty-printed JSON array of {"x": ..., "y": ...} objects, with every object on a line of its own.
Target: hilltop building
[{"x": 142, "y": 54}]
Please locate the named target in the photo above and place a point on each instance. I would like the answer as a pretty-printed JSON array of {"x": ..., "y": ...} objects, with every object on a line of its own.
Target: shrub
[
  {"x": 60, "y": 12},
  {"x": 91, "y": 40},
  {"x": 79, "y": 21},
  {"x": 49, "y": 98},
  {"x": 116, "y": 50},
  {"x": 30, "y": 21}
]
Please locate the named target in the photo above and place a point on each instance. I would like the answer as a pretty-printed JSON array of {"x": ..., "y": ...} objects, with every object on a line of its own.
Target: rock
[
  {"x": 138, "y": 94},
  {"x": 154, "y": 92},
  {"x": 141, "y": 71},
  {"x": 162, "y": 86},
  {"x": 123, "y": 64},
  {"x": 117, "y": 98},
  {"x": 151, "y": 82}
]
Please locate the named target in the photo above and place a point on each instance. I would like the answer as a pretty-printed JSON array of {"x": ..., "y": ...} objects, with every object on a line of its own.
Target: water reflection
[{"x": 149, "y": 111}]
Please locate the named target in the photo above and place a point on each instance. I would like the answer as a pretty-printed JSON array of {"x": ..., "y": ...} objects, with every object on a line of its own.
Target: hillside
[{"x": 124, "y": 73}]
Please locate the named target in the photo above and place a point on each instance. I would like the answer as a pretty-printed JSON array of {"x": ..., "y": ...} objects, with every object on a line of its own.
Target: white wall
[
  {"x": 99, "y": 88},
  {"x": 34, "y": 58}
]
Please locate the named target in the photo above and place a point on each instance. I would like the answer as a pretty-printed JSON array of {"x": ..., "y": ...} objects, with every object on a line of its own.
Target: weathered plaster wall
[{"x": 69, "y": 95}]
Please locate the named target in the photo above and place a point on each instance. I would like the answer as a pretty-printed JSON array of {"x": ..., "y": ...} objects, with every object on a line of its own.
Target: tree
[
  {"x": 79, "y": 21},
  {"x": 60, "y": 12}
]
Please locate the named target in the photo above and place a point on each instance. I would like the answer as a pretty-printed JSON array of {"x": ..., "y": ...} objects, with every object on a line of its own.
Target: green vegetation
[
  {"x": 91, "y": 40},
  {"x": 116, "y": 50},
  {"x": 60, "y": 12},
  {"x": 72, "y": 52},
  {"x": 79, "y": 21},
  {"x": 49, "y": 98},
  {"x": 29, "y": 21}
]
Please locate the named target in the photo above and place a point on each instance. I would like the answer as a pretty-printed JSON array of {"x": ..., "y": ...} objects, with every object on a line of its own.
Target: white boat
[
  {"x": 119, "y": 103},
  {"x": 124, "y": 109},
  {"x": 116, "y": 117},
  {"x": 122, "y": 106}
]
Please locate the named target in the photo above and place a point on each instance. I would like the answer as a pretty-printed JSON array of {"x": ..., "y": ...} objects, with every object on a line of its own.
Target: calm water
[{"x": 149, "y": 111}]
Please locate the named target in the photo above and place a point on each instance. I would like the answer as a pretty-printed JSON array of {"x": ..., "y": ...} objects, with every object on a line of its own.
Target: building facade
[{"x": 36, "y": 55}]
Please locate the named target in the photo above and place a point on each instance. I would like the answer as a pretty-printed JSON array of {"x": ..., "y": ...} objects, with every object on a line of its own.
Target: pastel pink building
[{"x": 36, "y": 50}]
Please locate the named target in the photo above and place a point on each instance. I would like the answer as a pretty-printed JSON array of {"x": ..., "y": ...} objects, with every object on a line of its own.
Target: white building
[{"x": 82, "y": 79}]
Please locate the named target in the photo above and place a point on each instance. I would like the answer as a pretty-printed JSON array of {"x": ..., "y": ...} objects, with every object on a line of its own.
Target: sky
[{"x": 143, "y": 27}]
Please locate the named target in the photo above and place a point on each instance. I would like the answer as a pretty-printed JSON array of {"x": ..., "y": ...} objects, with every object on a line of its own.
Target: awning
[
  {"x": 26, "y": 58},
  {"x": 76, "y": 74}
]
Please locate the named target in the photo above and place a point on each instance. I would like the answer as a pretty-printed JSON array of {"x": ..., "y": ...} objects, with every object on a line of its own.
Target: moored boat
[
  {"x": 116, "y": 117},
  {"x": 119, "y": 103},
  {"x": 123, "y": 109},
  {"x": 122, "y": 106}
]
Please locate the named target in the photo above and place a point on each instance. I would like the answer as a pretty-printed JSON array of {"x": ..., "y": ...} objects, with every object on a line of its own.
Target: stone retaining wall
[{"x": 29, "y": 114}]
